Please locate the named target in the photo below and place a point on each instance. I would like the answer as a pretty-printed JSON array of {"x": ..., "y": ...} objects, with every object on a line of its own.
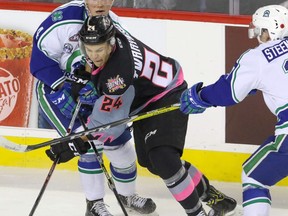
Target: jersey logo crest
[
  {"x": 266, "y": 13},
  {"x": 68, "y": 48},
  {"x": 57, "y": 15},
  {"x": 116, "y": 83}
]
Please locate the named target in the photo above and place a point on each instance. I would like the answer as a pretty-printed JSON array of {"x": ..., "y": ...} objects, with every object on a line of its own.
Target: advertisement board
[{"x": 16, "y": 82}]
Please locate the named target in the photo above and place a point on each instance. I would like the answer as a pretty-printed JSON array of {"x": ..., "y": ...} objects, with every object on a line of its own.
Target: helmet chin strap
[{"x": 259, "y": 40}]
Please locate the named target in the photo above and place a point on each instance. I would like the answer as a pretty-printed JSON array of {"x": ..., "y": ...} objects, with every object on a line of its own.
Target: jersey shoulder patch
[{"x": 118, "y": 72}]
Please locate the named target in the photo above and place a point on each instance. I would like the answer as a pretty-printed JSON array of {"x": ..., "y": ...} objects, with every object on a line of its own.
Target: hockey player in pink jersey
[{"x": 129, "y": 78}]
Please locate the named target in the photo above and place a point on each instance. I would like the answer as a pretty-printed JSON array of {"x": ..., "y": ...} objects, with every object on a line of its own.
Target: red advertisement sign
[{"x": 16, "y": 82}]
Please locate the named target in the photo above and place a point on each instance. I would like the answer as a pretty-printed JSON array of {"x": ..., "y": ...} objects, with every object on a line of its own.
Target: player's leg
[
  {"x": 159, "y": 144},
  {"x": 92, "y": 177},
  {"x": 91, "y": 174},
  {"x": 220, "y": 203},
  {"x": 176, "y": 178},
  {"x": 93, "y": 182},
  {"x": 262, "y": 169},
  {"x": 199, "y": 179},
  {"x": 124, "y": 172}
]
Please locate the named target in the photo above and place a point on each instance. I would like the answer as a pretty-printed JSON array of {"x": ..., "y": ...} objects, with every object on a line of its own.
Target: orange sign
[{"x": 16, "y": 82}]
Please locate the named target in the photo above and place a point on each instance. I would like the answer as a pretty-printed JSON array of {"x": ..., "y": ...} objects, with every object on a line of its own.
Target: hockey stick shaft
[
  {"x": 43, "y": 188},
  {"x": 55, "y": 162},
  {"x": 25, "y": 148},
  {"x": 101, "y": 162}
]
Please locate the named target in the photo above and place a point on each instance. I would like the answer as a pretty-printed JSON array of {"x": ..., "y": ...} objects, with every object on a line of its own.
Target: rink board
[{"x": 217, "y": 165}]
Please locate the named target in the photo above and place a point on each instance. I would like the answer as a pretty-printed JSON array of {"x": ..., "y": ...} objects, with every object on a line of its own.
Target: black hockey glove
[
  {"x": 81, "y": 78},
  {"x": 68, "y": 150},
  {"x": 82, "y": 88}
]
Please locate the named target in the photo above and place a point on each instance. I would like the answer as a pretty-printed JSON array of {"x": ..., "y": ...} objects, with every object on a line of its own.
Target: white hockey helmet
[{"x": 274, "y": 18}]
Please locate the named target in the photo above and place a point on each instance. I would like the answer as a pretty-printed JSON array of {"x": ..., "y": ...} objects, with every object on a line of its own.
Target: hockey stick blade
[
  {"x": 25, "y": 148},
  {"x": 12, "y": 146}
]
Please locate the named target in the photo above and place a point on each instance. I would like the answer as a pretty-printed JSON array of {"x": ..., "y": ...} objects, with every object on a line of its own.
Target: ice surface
[{"x": 19, "y": 188}]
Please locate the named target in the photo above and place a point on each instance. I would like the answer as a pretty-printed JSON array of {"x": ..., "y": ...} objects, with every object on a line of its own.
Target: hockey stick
[
  {"x": 43, "y": 188},
  {"x": 109, "y": 178},
  {"x": 25, "y": 148}
]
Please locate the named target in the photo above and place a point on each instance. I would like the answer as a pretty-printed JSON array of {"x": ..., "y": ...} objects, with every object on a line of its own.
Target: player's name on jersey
[{"x": 276, "y": 51}]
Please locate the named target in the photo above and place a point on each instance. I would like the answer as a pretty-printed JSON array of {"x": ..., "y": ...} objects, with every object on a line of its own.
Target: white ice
[{"x": 19, "y": 188}]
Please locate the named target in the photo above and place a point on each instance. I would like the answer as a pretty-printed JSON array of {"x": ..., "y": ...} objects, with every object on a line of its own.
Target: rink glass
[{"x": 16, "y": 82}]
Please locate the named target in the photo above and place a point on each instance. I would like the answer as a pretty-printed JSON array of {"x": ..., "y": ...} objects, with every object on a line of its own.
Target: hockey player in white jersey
[
  {"x": 55, "y": 58},
  {"x": 264, "y": 68}
]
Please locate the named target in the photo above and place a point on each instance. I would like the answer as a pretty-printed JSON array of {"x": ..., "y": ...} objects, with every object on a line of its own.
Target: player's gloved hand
[
  {"x": 63, "y": 100},
  {"x": 80, "y": 79},
  {"x": 68, "y": 150},
  {"x": 190, "y": 100},
  {"x": 85, "y": 111},
  {"x": 88, "y": 94},
  {"x": 81, "y": 73}
]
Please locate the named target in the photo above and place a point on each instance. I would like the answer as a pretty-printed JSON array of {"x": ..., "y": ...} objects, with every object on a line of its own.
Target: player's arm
[
  {"x": 237, "y": 85},
  {"x": 46, "y": 52},
  {"x": 45, "y": 69},
  {"x": 226, "y": 91},
  {"x": 55, "y": 50}
]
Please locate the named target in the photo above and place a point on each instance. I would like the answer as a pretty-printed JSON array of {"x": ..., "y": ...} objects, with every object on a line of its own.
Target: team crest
[
  {"x": 266, "y": 13},
  {"x": 57, "y": 15},
  {"x": 68, "y": 48},
  {"x": 116, "y": 83}
]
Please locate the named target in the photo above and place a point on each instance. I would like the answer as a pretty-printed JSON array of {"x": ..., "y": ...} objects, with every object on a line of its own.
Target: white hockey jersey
[
  {"x": 263, "y": 68},
  {"x": 56, "y": 51}
]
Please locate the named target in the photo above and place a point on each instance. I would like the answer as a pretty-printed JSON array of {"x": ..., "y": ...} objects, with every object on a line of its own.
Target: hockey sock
[
  {"x": 123, "y": 167},
  {"x": 176, "y": 177},
  {"x": 92, "y": 180},
  {"x": 125, "y": 179},
  {"x": 256, "y": 201},
  {"x": 200, "y": 180}
]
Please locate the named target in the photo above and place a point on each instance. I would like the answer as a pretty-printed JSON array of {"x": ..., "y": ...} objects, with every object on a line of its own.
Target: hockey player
[
  {"x": 129, "y": 78},
  {"x": 263, "y": 68},
  {"x": 55, "y": 58}
]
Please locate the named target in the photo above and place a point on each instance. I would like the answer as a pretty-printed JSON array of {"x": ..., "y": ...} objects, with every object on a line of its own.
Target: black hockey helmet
[{"x": 96, "y": 30}]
